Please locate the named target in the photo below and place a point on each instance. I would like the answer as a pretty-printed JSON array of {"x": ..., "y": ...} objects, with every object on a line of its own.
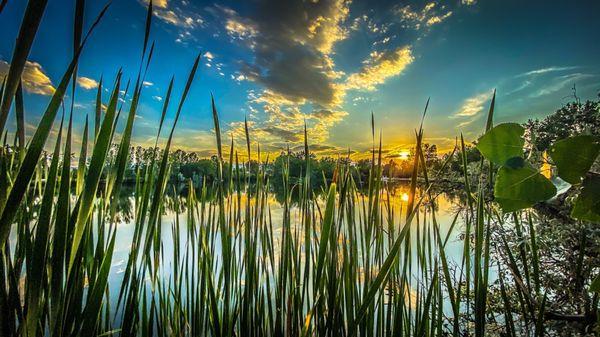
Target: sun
[{"x": 404, "y": 155}]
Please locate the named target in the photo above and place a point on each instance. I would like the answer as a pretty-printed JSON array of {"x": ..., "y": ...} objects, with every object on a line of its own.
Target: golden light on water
[
  {"x": 546, "y": 169},
  {"x": 404, "y": 155}
]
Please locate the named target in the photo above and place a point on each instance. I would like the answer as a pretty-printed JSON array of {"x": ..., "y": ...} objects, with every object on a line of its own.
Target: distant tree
[
  {"x": 201, "y": 168},
  {"x": 572, "y": 119},
  {"x": 430, "y": 152}
]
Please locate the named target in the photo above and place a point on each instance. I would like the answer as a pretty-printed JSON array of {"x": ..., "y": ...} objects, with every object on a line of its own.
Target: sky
[{"x": 329, "y": 64}]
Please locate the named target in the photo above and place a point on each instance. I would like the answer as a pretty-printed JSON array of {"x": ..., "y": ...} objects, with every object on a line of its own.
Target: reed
[{"x": 340, "y": 263}]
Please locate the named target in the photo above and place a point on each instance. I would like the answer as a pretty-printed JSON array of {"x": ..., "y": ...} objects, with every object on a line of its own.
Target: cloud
[
  {"x": 558, "y": 83},
  {"x": 173, "y": 18},
  {"x": 468, "y": 122},
  {"x": 431, "y": 14},
  {"x": 433, "y": 20},
  {"x": 379, "y": 67},
  {"x": 178, "y": 16},
  {"x": 147, "y": 83},
  {"x": 472, "y": 106},
  {"x": 292, "y": 43},
  {"x": 87, "y": 83},
  {"x": 238, "y": 77},
  {"x": 209, "y": 56},
  {"x": 238, "y": 29},
  {"x": 158, "y": 3},
  {"x": 284, "y": 125},
  {"x": 34, "y": 78},
  {"x": 545, "y": 71}
]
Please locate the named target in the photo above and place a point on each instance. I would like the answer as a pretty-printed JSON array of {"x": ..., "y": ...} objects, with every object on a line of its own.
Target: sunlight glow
[{"x": 404, "y": 155}]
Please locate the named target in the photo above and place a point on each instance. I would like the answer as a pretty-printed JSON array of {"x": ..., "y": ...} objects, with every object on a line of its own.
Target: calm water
[{"x": 446, "y": 207}]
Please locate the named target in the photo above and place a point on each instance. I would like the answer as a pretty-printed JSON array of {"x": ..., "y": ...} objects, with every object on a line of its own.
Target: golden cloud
[
  {"x": 473, "y": 105},
  {"x": 158, "y": 3},
  {"x": 431, "y": 14},
  {"x": 176, "y": 16},
  {"x": 325, "y": 30},
  {"x": 34, "y": 78},
  {"x": 87, "y": 83},
  {"x": 381, "y": 66},
  {"x": 438, "y": 18},
  {"x": 239, "y": 28}
]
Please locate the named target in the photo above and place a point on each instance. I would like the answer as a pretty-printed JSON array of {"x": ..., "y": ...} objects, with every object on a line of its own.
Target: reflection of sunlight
[
  {"x": 404, "y": 197},
  {"x": 546, "y": 169},
  {"x": 403, "y": 155}
]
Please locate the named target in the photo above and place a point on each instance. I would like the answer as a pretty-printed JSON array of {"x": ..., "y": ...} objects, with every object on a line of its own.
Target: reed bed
[{"x": 340, "y": 263}]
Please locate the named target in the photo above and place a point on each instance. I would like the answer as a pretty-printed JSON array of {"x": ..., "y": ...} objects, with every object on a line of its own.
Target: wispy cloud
[
  {"x": 558, "y": 83},
  {"x": 34, "y": 78},
  {"x": 543, "y": 81},
  {"x": 472, "y": 106},
  {"x": 379, "y": 67},
  {"x": 546, "y": 70}
]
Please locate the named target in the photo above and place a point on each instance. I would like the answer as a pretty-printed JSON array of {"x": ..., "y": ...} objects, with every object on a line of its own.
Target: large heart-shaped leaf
[
  {"x": 587, "y": 205},
  {"x": 574, "y": 156},
  {"x": 518, "y": 188},
  {"x": 503, "y": 142}
]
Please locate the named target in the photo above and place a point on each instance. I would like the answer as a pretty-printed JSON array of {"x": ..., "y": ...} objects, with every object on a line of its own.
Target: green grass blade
[{"x": 29, "y": 26}]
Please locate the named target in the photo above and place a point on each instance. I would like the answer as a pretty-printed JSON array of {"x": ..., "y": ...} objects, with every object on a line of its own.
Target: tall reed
[{"x": 340, "y": 263}]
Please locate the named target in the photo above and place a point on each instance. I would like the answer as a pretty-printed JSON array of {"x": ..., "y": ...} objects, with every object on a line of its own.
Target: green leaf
[
  {"x": 95, "y": 169},
  {"x": 515, "y": 162},
  {"x": 509, "y": 205},
  {"x": 574, "y": 156},
  {"x": 91, "y": 313},
  {"x": 325, "y": 232},
  {"x": 36, "y": 270},
  {"x": 518, "y": 188},
  {"x": 587, "y": 205},
  {"x": 29, "y": 26},
  {"x": 502, "y": 143},
  {"x": 595, "y": 286}
]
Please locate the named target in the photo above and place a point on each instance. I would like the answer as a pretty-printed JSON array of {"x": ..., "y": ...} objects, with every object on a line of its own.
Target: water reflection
[{"x": 446, "y": 203}]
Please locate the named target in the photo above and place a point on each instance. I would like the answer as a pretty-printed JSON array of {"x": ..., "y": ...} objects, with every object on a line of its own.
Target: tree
[{"x": 575, "y": 118}]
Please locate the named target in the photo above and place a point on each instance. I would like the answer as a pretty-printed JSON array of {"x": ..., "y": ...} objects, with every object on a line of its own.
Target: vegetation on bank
[{"x": 347, "y": 262}]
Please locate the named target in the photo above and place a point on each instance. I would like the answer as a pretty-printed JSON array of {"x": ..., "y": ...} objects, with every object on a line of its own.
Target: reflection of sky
[
  {"x": 446, "y": 208},
  {"x": 329, "y": 62}
]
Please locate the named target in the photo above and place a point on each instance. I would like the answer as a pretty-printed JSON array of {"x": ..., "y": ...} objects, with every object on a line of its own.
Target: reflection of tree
[
  {"x": 569, "y": 257},
  {"x": 125, "y": 204}
]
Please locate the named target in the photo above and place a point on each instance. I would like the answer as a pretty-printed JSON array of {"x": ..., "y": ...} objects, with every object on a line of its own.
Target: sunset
[
  {"x": 299, "y": 168},
  {"x": 329, "y": 63}
]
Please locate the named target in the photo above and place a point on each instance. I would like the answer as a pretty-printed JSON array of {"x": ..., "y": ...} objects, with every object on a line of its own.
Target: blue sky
[{"x": 329, "y": 63}]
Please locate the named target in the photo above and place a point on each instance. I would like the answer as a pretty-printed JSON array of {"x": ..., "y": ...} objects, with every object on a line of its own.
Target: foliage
[
  {"x": 574, "y": 156},
  {"x": 502, "y": 143},
  {"x": 519, "y": 185},
  {"x": 573, "y": 119}
]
